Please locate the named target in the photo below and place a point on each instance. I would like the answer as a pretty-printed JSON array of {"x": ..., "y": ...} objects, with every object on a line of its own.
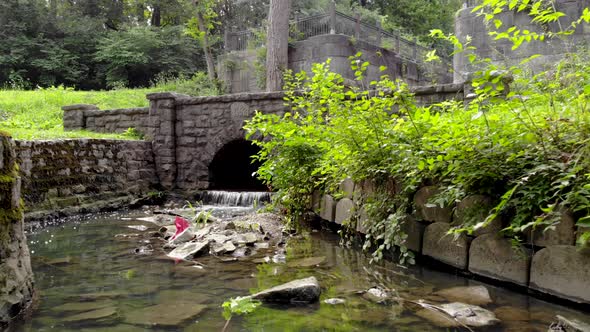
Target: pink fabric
[{"x": 181, "y": 225}]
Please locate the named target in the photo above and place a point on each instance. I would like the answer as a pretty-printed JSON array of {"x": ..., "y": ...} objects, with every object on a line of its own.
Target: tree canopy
[{"x": 98, "y": 44}]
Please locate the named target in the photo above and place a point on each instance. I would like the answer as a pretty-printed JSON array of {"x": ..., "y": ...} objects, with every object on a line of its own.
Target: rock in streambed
[{"x": 305, "y": 290}]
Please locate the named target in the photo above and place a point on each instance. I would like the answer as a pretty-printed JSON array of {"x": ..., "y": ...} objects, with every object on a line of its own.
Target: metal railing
[{"x": 334, "y": 22}]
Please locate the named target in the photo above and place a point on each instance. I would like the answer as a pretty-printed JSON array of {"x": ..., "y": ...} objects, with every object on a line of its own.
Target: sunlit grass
[{"x": 37, "y": 114}]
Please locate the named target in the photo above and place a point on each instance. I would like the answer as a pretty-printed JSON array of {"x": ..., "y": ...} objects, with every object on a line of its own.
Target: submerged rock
[
  {"x": 140, "y": 228},
  {"x": 476, "y": 295},
  {"x": 376, "y": 295},
  {"x": 83, "y": 306},
  {"x": 189, "y": 249},
  {"x": 307, "y": 262},
  {"x": 334, "y": 301},
  {"x": 457, "y": 314},
  {"x": 92, "y": 315},
  {"x": 305, "y": 290},
  {"x": 508, "y": 313},
  {"x": 170, "y": 314},
  {"x": 571, "y": 325}
]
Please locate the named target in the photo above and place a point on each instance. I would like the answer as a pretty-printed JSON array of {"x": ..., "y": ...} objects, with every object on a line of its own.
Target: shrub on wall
[{"x": 528, "y": 149}]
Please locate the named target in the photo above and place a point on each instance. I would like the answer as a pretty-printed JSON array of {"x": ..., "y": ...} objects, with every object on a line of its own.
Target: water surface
[{"x": 92, "y": 266}]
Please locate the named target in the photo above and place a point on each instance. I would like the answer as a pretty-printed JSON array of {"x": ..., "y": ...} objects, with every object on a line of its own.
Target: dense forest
[{"x": 105, "y": 44}]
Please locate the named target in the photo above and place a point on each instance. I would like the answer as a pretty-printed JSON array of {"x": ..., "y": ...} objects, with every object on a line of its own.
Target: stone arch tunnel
[{"x": 233, "y": 168}]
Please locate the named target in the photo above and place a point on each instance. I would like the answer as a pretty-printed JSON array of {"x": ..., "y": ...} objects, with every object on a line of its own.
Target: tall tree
[
  {"x": 201, "y": 27},
  {"x": 277, "y": 43}
]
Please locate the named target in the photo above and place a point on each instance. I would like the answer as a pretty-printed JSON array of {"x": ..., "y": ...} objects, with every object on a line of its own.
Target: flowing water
[
  {"x": 90, "y": 278},
  {"x": 234, "y": 198}
]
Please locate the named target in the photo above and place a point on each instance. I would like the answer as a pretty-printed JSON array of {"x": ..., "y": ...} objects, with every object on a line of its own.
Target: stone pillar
[
  {"x": 163, "y": 135},
  {"x": 16, "y": 276},
  {"x": 332, "y": 11},
  {"x": 74, "y": 117}
]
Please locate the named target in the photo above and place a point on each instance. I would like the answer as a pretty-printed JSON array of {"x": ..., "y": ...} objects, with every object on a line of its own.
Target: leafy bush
[
  {"x": 528, "y": 149},
  {"x": 197, "y": 85}
]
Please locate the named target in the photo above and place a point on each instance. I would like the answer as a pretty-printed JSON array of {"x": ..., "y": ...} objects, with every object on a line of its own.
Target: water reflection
[{"x": 90, "y": 279}]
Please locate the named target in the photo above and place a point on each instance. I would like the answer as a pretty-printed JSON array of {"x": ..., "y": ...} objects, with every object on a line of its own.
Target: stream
[{"x": 90, "y": 277}]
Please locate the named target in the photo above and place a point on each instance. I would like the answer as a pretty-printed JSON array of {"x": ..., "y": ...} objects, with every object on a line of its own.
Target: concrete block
[
  {"x": 347, "y": 187},
  {"x": 562, "y": 234},
  {"x": 344, "y": 210},
  {"x": 415, "y": 231},
  {"x": 474, "y": 209},
  {"x": 363, "y": 222},
  {"x": 327, "y": 208},
  {"x": 563, "y": 271},
  {"x": 493, "y": 256},
  {"x": 444, "y": 247},
  {"x": 428, "y": 211}
]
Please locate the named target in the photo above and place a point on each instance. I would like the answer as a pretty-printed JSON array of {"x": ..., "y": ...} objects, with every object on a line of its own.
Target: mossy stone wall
[{"x": 16, "y": 276}]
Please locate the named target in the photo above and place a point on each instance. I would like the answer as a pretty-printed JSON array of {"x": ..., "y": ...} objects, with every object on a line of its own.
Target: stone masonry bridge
[{"x": 198, "y": 142}]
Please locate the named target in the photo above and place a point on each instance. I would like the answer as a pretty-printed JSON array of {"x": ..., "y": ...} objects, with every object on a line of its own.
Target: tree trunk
[
  {"x": 156, "y": 19},
  {"x": 277, "y": 43},
  {"x": 206, "y": 49}
]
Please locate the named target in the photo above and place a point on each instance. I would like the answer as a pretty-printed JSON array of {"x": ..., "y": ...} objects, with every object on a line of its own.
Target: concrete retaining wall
[
  {"x": 16, "y": 276},
  {"x": 500, "y": 51},
  {"x": 240, "y": 74},
  {"x": 549, "y": 262},
  {"x": 64, "y": 177}
]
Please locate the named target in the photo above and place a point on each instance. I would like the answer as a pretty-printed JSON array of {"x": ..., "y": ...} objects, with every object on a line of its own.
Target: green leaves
[{"x": 239, "y": 306}]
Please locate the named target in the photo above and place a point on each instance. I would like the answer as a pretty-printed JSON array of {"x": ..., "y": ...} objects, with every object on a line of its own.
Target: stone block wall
[
  {"x": 203, "y": 125},
  {"x": 187, "y": 132},
  {"x": 89, "y": 117},
  {"x": 64, "y": 177},
  {"x": 549, "y": 262},
  {"x": 16, "y": 276}
]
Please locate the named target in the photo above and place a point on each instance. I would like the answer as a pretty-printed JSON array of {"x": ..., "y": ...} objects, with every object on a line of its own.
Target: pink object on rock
[{"x": 181, "y": 225}]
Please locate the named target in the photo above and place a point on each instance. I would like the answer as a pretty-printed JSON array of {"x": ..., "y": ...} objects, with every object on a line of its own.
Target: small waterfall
[{"x": 234, "y": 198}]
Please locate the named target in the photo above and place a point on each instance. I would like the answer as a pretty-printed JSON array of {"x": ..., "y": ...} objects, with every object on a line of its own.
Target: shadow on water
[{"x": 90, "y": 279}]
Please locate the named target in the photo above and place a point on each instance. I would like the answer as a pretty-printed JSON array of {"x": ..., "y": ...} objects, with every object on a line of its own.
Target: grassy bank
[{"x": 37, "y": 114}]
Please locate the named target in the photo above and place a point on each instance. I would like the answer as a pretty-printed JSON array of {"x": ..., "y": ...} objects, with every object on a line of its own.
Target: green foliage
[
  {"x": 37, "y": 114},
  {"x": 527, "y": 148},
  {"x": 132, "y": 133},
  {"x": 196, "y": 85},
  {"x": 134, "y": 56},
  {"x": 239, "y": 306}
]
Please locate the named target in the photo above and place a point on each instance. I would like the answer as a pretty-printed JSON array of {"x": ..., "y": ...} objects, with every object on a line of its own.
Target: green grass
[{"x": 37, "y": 114}]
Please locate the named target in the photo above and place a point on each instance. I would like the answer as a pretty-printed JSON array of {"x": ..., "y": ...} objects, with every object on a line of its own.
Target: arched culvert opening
[{"x": 232, "y": 168}]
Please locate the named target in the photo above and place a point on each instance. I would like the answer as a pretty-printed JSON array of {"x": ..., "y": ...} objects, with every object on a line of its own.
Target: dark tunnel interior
[{"x": 232, "y": 168}]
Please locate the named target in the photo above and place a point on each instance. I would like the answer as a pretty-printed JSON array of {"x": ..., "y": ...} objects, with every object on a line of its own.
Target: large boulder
[
  {"x": 562, "y": 271},
  {"x": 297, "y": 291},
  {"x": 495, "y": 257},
  {"x": 440, "y": 245}
]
